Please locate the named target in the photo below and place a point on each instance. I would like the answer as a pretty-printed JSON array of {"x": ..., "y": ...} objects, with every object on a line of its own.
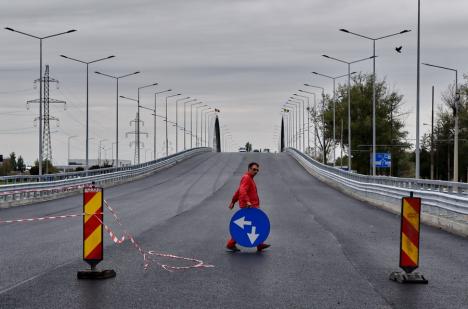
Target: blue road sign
[
  {"x": 249, "y": 227},
  {"x": 383, "y": 159}
]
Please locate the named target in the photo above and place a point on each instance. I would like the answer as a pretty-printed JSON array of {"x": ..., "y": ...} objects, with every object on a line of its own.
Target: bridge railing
[
  {"x": 445, "y": 203},
  {"x": 45, "y": 187}
]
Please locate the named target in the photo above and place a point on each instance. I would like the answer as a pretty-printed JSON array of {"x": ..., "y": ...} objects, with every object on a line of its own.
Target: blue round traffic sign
[{"x": 249, "y": 227}]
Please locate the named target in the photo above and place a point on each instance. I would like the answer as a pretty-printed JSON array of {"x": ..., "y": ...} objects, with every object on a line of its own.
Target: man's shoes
[
  {"x": 233, "y": 248},
  {"x": 262, "y": 247}
]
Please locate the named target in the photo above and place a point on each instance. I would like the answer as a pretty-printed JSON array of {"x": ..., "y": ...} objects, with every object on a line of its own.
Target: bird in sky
[{"x": 398, "y": 49}]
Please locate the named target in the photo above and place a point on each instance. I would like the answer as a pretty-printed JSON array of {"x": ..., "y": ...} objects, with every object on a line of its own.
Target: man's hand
[
  {"x": 249, "y": 205},
  {"x": 231, "y": 206}
]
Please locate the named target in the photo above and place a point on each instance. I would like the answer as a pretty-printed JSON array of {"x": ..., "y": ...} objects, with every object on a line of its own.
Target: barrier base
[
  {"x": 96, "y": 274},
  {"x": 402, "y": 277}
]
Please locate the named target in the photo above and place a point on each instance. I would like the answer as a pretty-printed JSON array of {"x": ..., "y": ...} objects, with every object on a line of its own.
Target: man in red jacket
[{"x": 247, "y": 196}]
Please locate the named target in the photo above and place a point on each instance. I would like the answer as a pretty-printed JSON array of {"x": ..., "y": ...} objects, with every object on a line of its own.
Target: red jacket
[{"x": 247, "y": 192}]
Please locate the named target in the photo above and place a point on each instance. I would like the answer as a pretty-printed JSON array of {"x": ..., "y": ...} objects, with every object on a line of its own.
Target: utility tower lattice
[
  {"x": 46, "y": 118},
  {"x": 142, "y": 145}
]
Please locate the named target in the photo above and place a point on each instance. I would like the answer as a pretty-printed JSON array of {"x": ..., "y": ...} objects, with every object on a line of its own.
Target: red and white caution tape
[
  {"x": 147, "y": 255},
  {"x": 41, "y": 218}
]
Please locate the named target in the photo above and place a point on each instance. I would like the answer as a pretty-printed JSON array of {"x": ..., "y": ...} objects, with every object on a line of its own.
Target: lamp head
[{"x": 344, "y": 30}]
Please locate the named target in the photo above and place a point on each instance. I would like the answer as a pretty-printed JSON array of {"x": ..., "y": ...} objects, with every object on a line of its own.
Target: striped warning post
[
  {"x": 410, "y": 227},
  {"x": 92, "y": 225}
]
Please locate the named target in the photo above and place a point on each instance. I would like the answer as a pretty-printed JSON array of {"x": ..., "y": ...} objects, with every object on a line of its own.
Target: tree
[
  {"x": 248, "y": 147},
  {"x": 46, "y": 166},
  {"x": 20, "y": 164},
  {"x": 13, "y": 163},
  {"x": 444, "y": 135},
  {"x": 391, "y": 136}
]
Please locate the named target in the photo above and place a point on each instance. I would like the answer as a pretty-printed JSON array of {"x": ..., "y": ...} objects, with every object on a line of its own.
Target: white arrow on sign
[
  {"x": 241, "y": 222},
  {"x": 252, "y": 235}
]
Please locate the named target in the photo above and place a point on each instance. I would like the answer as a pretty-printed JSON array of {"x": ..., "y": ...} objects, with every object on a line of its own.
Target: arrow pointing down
[
  {"x": 241, "y": 222},
  {"x": 252, "y": 235}
]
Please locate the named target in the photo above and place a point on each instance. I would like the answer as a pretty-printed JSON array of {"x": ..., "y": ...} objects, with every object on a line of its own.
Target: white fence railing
[
  {"x": 47, "y": 187},
  {"x": 445, "y": 203}
]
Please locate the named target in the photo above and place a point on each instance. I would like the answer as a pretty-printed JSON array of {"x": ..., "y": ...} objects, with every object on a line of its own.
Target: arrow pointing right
[{"x": 252, "y": 235}]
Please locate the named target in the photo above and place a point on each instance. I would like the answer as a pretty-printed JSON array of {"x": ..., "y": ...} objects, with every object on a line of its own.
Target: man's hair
[{"x": 252, "y": 164}]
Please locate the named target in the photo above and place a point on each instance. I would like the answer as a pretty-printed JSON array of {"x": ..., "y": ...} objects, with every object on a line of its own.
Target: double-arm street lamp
[
  {"x": 455, "y": 112},
  {"x": 334, "y": 78},
  {"x": 117, "y": 78},
  {"x": 87, "y": 97},
  {"x": 167, "y": 137},
  {"x": 348, "y": 63},
  {"x": 138, "y": 117},
  {"x": 177, "y": 122},
  {"x": 40, "y": 81},
  {"x": 373, "y": 87}
]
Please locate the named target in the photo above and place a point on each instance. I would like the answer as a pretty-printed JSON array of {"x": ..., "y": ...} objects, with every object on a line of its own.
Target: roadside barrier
[
  {"x": 93, "y": 242},
  {"x": 409, "y": 241},
  {"x": 22, "y": 190}
]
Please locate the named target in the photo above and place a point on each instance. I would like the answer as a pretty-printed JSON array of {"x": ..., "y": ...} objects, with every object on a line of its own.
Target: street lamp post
[
  {"x": 167, "y": 137},
  {"x": 455, "y": 112},
  {"x": 185, "y": 128},
  {"x": 196, "y": 123},
  {"x": 99, "y": 148},
  {"x": 323, "y": 117},
  {"x": 138, "y": 117},
  {"x": 202, "y": 122},
  {"x": 117, "y": 78},
  {"x": 87, "y": 97},
  {"x": 293, "y": 137},
  {"x": 154, "y": 122},
  {"x": 373, "y": 88},
  {"x": 296, "y": 121},
  {"x": 308, "y": 120},
  {"x": 40, "y": 82},
  {"x": 177, "y": 122},
  {"x": 191, "y": 122},
  {"x": 69, "y": 138},
  {"x": 334, "y": 107},
  {"x": 348, "y": 63},
  {"x": 315, "y": 123},
  {"x": 303, "y": 122}
]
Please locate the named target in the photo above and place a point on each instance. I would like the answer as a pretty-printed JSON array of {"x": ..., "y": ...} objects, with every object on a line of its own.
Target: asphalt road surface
[{"x": 328, "y": 250}]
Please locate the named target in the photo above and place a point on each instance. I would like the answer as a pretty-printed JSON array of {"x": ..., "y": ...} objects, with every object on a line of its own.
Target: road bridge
[{"x": 328, "y": 249}]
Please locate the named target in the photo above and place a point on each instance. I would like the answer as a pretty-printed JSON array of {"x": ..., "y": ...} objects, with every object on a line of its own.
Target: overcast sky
[{"x": 243, "y": 57}]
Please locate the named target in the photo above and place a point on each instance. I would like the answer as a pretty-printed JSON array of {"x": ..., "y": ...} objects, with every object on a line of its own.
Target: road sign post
[
  {"x": 249, "y": 227},
  {"x": 409, "y": 241},
  {"x": 93, "y": 245}
]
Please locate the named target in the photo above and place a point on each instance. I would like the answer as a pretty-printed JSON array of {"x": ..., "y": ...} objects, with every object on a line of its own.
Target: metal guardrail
[
  {"x": 47, "y": 186},
  {"x": 439, "y": 198}
]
